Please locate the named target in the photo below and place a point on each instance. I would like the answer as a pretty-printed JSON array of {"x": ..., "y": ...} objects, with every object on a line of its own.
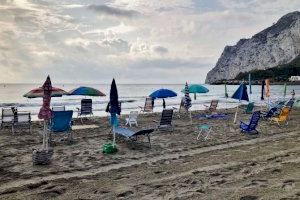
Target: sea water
[{"x": 133, "y": 96}]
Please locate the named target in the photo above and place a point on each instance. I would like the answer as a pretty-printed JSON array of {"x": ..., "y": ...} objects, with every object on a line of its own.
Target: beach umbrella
[
  {"x": 284, "y": 90},
  {"x": 187, "y": 99},
  {"x": 226, "y": 92},
  {"x": 196, "y": 88},
  {"x": 86, "y": 91},
  {"x": 241, "y": 95},
  {"x": 162, "y": 94},
  {"x": 250, "y": 86},
  {"x": 114, "y": 107},
  {"x": 39, "y": 92},
  {"x": 45, "y": 112}
]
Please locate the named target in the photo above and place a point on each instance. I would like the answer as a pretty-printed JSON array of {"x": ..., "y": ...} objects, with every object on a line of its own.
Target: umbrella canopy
[
  {"x": 196, "y": 88},
  {"x": 241, "y": 93},
  {"x": 45, "y": 111},
  {"x": 113, "y": 99},
  {"x": 187, "y": 99},
  {"x": 163, "y": 93},
  {"x": 86, "y": 91},
  {"x": 39, "y": 92}
]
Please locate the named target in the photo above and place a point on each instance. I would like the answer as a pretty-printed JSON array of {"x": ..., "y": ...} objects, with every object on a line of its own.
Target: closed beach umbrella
[
  {"x": 114, "y": 107},
  {"x": 162, "y": 94},
  {"x": 187, "y": 99},
  {"x": 284, "y": 90},
  {"x": 45, "y": 111},
  {"x": 241, "y": 95},
  {"x": 262, "y": 90},
  {"x": 226, "y": 92},
  {"x": 86, "y": 91},
  {"x": 196, "y": 88},
  {"x": 39, "y": 92}
]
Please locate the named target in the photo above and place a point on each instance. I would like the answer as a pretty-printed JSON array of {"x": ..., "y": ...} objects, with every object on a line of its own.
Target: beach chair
[
  {"x": 270, "y": 113},
  {"x": 21, "y": 119},
  {"x": 290, "y": 103},
  {"x": 148, "y": 107},
  {"x": 133, "y": 135},
  {"x": 61, "y": 124},
  {"x": 249, "y": 108},
  {"x": 58, "y": 108},
  {"x": 132, "y": 118},
  {"x": 181, "y": 109},
  {"x": 251, "y": 126},
  {"x": 204, "y": 130},
  {"x": 213, "y": 106},
  {"x": 7, "y": 116},
  {"x": 165, "y": 120},
  {"x": 86, "y": 108},
  {"x": 283, "y": 116}
]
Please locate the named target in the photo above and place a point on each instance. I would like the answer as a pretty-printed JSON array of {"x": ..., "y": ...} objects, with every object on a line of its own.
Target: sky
[{"x": 134, "y": 41}]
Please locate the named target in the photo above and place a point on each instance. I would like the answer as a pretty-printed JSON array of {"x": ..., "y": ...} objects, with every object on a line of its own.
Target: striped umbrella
[
  {"x": 39, "y": 92},
  {"x": 187, "y": 99},
  {"x": 86, "y": 91}
]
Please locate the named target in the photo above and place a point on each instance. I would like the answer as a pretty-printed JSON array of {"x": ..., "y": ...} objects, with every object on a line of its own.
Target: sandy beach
[{"x": 229, "y": 165}]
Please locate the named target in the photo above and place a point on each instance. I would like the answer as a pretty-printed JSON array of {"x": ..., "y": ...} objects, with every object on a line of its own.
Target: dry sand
[{"x": 229, "y": 165}]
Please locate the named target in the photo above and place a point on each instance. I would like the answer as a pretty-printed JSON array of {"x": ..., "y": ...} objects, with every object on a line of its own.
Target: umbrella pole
[
  {"x": 44, "y": 135},
  {"x": 195, "y": 96},
  {"x": 114, "y": 137},
  {"x": 235, "y": 115}
]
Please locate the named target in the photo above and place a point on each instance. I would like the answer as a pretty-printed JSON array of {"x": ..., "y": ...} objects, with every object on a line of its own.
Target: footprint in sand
[
  {"x": 125, "y": 194},
  {"x": 288, "y": 184}
]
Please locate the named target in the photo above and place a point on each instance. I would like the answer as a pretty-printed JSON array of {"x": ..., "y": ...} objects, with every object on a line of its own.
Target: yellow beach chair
[{"x": 283, "y": 116}]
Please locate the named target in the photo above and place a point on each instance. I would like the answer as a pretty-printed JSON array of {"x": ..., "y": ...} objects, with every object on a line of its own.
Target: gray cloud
[
  {"x": 159, "y": 49},
  {"x": 111, "y": 11}
]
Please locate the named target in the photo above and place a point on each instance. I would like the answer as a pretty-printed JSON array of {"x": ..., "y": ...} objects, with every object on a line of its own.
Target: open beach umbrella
[
  {"x": 162, "y": 94},
  {"x": 241, "y": 95},
  {"x": 86, "y": 91},
  {"x": 39, "y": 92},
  {"x": 196, "y": 88},
  {"x": 45, "y": 111}
]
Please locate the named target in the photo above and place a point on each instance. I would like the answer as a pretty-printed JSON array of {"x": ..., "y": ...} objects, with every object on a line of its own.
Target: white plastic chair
[{"x": 132, "y": 118}]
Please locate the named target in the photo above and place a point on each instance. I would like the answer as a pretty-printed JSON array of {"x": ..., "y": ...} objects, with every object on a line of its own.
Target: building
[{"x": 295, "y": 78}]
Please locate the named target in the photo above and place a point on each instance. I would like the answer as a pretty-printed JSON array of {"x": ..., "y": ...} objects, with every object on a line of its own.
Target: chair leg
[{"x": 200, "y": 132}]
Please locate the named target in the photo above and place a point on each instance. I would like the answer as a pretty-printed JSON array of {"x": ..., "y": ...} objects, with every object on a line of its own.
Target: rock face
[{"x": 276, "y": 45}]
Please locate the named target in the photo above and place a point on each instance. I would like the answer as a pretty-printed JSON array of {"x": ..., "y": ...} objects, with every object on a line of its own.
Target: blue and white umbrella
[{"x": 187, "y": 99}]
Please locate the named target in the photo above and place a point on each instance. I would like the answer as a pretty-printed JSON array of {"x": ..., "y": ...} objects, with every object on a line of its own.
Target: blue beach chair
[
  {"x": 270, "y": 113},
  {"x": 133, "y": 135},
  {"x": 61, "y": 124},
  {"x": 251, "y": 127}
]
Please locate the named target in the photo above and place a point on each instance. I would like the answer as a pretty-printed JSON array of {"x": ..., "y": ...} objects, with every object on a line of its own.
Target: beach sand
[{"x": 229, "y": 165}]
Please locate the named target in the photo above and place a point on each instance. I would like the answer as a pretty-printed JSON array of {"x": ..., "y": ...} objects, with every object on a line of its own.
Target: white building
[{"x": 295, "y": 78}]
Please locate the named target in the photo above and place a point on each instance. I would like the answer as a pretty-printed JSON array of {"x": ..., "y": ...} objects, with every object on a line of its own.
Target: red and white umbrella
[{"x": 39, "y": 92}]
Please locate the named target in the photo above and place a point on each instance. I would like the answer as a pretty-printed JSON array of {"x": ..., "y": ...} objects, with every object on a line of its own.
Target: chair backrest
[
  {"x": 271, "y": 112},
  {"x": 166, "y": 117},
  {"x": 61, "y": 121},
  {"x": 133, "y": 115},
  {"x": 8, "y": 114},
  {"x": 148, "y": 104},
  {"x": 249, "y": 107},
  {"x": 213, "y": 105},
  {"x": 86, "y": 106},
  {"x": 254, "y": 120},
  {"x": 283, "y": 116},
  {"x": 58, "y": 108},
  {"x": 22, "y": 117}
]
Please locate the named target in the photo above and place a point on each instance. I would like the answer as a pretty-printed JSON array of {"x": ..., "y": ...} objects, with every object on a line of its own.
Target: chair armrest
[{"x": 155, "y": 121}]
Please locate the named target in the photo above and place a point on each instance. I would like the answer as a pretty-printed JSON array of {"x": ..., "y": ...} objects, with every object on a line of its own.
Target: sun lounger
[
  {"x": 132, "y": 135},
  {"x": 148, "y": 107},
  {"x": 21, "y": 119},
  {"x": 165, "y": 120},
  {"x": 251, "y": 126},
  {"x": 132, "y": 118},
  {"x": 283, "y": 116},
  {"x": 86, "y": 108},
  {"x": 61, "y": 124},
  {"x": 7, "y": 116},
  {"x": 249, "y": 108},
  {"x": 213, "y": 106}
]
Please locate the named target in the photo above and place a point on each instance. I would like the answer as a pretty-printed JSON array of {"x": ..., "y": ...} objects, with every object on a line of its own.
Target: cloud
[
  {"x": 159, "y": 49},
  {"x": 105, "y": 10}
]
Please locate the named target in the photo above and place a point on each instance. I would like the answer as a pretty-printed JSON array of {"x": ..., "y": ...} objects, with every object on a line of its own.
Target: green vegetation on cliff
[{"x": 278, "y": 74}]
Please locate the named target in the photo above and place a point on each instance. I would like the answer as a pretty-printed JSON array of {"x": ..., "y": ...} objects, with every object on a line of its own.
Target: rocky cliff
[{"x": 274, "y": 46}]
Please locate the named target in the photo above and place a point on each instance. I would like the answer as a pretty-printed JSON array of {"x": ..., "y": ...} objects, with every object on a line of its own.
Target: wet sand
[{"x": 229, "y": 165}]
